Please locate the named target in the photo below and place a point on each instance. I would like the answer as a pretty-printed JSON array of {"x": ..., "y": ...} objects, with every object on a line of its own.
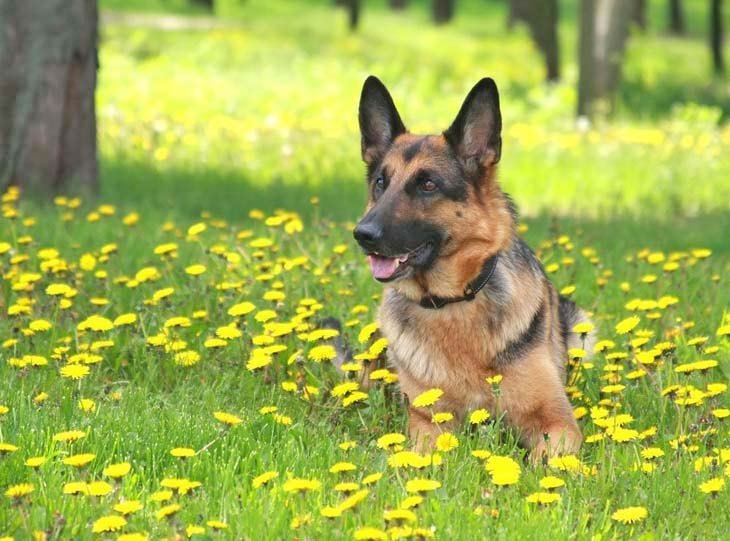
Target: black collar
[{"x": 474, "y": 287}]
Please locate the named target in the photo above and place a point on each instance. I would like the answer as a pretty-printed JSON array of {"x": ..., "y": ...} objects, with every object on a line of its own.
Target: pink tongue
[{"x": 382, "y": 267}]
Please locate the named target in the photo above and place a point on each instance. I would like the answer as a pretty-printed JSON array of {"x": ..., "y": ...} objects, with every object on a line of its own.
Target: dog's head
[{"x": 431, "y": 197}]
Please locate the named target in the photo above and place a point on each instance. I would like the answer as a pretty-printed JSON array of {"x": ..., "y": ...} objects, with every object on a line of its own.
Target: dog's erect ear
[
  {"x": 380, "y": 122},
  {"x": 476, "y": 133}
]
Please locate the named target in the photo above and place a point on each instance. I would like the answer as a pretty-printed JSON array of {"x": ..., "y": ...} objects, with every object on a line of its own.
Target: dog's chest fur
[{"x": 450, "y": 349}]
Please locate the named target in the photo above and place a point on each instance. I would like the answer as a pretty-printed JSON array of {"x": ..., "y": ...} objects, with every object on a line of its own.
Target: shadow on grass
[{"x": 183, "y": 194}]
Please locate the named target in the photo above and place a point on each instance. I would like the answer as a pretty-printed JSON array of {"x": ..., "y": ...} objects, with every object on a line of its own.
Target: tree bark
[
  {"x": 541, "y": 18},
  {"x": 639, "y": 14},
  {"x": 207, "y": 4},
  {"x": 398, "y": 4},
  {"x": 604, "y": 28},
  {"x": 443, "y": 11},
  {"x": 49, "y": 60},
  {"x": 716, "y": 37},
  {"x": 676, "y": 17}
]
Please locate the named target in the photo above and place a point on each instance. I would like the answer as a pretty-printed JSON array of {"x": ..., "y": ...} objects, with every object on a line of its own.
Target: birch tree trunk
[
  {"x": 604, "y": 28},
  {"x": 49, "y": 60}
]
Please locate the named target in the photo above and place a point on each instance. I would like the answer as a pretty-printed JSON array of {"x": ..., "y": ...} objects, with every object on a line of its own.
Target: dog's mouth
[{"x": 388, "y": 268}]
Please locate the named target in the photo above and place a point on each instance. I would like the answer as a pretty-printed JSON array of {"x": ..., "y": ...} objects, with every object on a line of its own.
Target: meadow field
[{"x": 164, "y": 368}]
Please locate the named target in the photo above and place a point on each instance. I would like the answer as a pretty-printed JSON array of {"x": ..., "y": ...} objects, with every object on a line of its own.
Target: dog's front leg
[{"x": 422, "y": 431}]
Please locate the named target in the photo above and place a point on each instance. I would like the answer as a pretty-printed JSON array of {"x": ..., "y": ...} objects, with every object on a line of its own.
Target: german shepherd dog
[{"x": 465, "y": 298}]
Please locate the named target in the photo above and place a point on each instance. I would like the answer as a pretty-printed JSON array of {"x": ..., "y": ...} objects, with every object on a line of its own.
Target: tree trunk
[
  {"x": 207, "y": 4},
  {"x": 716, "y": 37},
  {"x": 49, "y": 60},
  {"x": 542, "y": 19},
  {"x": 676, "y": 17},
  {"x": 639, "y": 14},
  {"x": 443, "y": 11},
  {"x": 604, "y": 28},
  {"x": 398, "y": 4}
]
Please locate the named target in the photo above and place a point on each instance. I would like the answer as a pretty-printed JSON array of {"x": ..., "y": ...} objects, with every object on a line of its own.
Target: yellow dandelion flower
[
  {"x": 366, "y": 332},
  {"x": 227, "y": 418},
  {"x": 627, "y": 325},
  {"x": 372, "y": 478},
  {"x": 301, "y": 485},
  {"x": 504, "y": 470},
  {"x": 19, "y": 490},
  {"x": 478, "y": 416},
  {"x": 128, "y": 507},
  {"x": 411, "y": 501},
  {"x": 651, "y": 452},
  {"x": 344, "y": 388},
  {"x": 399, "y": 515},
  {"x": 187, "y": 358},
  {"x": 182, "y": 452},
  {"x": 109, "y": 523},
  {"x": 322, "y": 353},
  {"x": 696, "y": 366},
  {"x": 87, "y": 405},
  {"x": 446, "y": 442},
  {"x": 177, "y": 321},
  {"x": 543, "y": 498},
  {"x": 342, "y": 467},
  {"x": 76, "y": 487},
  {"x": 193, "y": 529},
  {"x": 7, "y": 448},
  {"x": 241, "y": 309},
  {"x": 422, "y": 485},
  {"x": 264, "y": 478},
  {"x": 99, "y": 488},
  {"x": 389, "y": 440},
  {"x": 80, "y": 460},
  {"x": 713, "y": 486},
  {"x": 40, "y": 325},
  {"x": 162, "y": 293},
  {"x": 367, "y": 533},
  {"x": 630, "y": 515},
  {"x": 195, "y": 270},
  {"x": 196, "y": 229},
  {"x": 357, "y": 396},
  {"x": 69, "y": 436},
  {"x": 161, "y": 495},
  {"x": 96, "y": 323},
  {"x": 35, "y": 461},
  {"x": 215, "y": 343},
  {"x": 427, "y": 398},
  {"x": 550, "y": 481},
  {"x": 125, "y": 319},
  {"x": 442, "y": 417},
  {"x": 167, "y": 511},
  {"x": 117, "y": 471},
  {"x": 346, "y": 487}
]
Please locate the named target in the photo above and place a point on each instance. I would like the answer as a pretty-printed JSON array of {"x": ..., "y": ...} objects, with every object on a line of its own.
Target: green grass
[{"x": 260, "y": 113}]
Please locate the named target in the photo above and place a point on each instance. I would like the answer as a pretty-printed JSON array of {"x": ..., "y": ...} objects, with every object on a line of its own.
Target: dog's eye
[
  {"x": 379, "y": 185},
  {"x": 427, "y": 185}
]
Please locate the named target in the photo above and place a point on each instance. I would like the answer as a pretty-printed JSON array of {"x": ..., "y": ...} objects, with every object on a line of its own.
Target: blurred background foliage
[{"x": 255, "y": 106}]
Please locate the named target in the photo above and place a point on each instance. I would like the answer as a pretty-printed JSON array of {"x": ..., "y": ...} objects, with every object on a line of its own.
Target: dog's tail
[
  {"x": 570, "y": 316},
  {"x": 344, "y": 353}
]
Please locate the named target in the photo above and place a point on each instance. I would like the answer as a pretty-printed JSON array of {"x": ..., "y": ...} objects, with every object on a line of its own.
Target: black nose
[{"x": 368, "y": 234}]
